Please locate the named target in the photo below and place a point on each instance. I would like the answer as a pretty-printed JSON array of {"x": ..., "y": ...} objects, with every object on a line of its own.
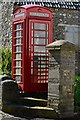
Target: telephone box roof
[{"x": 31, "y": 6}]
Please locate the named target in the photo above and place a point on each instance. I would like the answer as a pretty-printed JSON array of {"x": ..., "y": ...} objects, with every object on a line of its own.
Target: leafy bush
[
  {"x": 77, "y": 91},
  {"x": 6, "y": 61}
]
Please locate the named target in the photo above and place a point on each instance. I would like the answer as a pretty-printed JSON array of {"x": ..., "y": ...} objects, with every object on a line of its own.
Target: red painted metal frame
[
  {"x": 37, "y": 86},
  {"x": 26, "y": 21}
]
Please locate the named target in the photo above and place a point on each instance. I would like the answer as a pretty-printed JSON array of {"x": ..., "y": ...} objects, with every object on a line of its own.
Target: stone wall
[
  {"x": 0, "y": 23},
  {"x": 6, "y": 23},
  {"x": 61, "y": 77},
  {"x": 66, "y": 17}
]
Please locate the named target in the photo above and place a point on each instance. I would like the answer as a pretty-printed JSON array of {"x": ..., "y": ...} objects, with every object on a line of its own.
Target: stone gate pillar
[{"x": 61, "y": 77}]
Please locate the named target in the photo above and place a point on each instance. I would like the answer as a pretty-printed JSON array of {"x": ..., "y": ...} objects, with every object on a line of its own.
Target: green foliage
[
  {"x": 77, "y": 90},
  {"x": 6, "y": 61}
]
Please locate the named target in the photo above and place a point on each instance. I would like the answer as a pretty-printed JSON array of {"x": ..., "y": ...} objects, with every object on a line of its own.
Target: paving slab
[{"x": 5, "y": 116}]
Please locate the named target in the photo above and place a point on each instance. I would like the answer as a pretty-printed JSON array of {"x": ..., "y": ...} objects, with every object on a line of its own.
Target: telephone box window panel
[
  {"x": 18, "y": 27},
  {"x": 39, "y": 34},
  {"x": 39, "y": 26},
  {"x": 18, "y": 41},
  {"x": 18, "y": 48},
  {"x": 18, "y": 56},
  {"x": 18, "y": 78},
  {"x": 40, "y": 41},
  {"x": 18, "y": 33},
  {"x": 18, "y": 63},
  {"x": 39, "y": 49},
  {"x": 18, "y": 71}
]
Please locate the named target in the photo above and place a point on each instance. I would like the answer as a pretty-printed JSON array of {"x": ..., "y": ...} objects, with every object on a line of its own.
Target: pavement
[{"x": 5, "y": 116}]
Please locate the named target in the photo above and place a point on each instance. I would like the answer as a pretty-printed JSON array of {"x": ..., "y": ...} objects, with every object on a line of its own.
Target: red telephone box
[{"x": 32, "y": 31}]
